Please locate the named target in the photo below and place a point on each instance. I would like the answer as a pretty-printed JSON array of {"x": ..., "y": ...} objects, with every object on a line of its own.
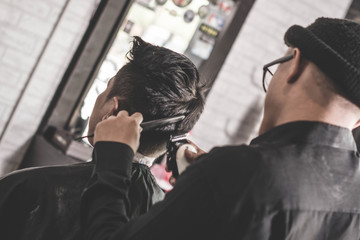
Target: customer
[{"x": 43, "y": 203}]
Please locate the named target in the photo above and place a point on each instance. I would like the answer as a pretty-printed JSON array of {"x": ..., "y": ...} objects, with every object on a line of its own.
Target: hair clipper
[{"x": 175, "y": 155}]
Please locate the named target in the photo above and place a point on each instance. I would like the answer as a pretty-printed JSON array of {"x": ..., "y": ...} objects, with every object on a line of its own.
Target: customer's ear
[
  {"x": 114, "y": 108},
  {"x": 295, "y": 68}
]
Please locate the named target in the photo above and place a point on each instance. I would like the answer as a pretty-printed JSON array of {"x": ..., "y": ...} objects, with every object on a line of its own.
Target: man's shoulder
[
  {"x": 221, "y": 162},
  {"x": 240, "y": 154}
]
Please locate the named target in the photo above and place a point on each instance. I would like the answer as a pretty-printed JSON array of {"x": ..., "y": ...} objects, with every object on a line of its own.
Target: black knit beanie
[{"x": 334, "y": 46}]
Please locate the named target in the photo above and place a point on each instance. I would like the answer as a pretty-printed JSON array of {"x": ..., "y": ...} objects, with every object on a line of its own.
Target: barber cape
[{"x": 43, "y": 203}]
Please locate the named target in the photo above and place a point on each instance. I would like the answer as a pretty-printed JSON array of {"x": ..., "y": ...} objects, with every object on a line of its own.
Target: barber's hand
[
  {"x": 190, "y": 155},
  {"x": 121, "y": 128}
]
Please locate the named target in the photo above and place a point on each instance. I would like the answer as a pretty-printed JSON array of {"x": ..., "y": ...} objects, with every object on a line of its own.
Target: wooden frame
[{"x": 85, "y": 63}]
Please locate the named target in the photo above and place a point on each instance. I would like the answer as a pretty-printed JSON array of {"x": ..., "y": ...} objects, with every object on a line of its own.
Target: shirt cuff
[{"x": 113, "y": 156}]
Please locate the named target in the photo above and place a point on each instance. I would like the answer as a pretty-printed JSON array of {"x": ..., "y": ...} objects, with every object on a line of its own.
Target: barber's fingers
[
  {"x": 172, "y": 180},
  {"x": 120, "y": 128},
  {"x": 198, "y": 150},
  {"x": 123, "y": 113},
  {"x": 192, "y": 156},
  {"x": 138, "y": 117},
  {"x": 110, "y": 117}
]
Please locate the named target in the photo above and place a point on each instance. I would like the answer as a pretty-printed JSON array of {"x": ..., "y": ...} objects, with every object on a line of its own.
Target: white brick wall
[
  {"x": 234, "y": 107},
  {"x": 35, "y": 25},
  {"x": 39, "y": 9},
  {"x": 25, "y": 27}
]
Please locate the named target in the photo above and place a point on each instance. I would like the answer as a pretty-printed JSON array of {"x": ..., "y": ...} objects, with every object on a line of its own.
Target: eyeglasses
[{"x": 266, "y": 69}]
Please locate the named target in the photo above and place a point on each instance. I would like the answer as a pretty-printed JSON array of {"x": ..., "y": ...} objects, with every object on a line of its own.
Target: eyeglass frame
[{"x": 277, "y": 61}]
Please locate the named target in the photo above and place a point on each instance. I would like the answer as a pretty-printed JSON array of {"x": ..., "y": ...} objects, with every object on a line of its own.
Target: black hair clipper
[{"x": 175, "y": 158}]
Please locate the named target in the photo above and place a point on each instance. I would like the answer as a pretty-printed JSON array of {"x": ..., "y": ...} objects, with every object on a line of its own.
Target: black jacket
[
  {"x": 43, "y": 203},
  {"x": 300, "y": 180}
]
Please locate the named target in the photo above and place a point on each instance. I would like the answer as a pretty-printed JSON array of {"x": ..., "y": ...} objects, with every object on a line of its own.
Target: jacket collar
[{"x": 308, "y": 132}]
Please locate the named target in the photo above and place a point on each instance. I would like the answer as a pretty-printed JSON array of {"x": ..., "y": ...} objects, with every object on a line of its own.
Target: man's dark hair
[{"x": 159, "y": 83}]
